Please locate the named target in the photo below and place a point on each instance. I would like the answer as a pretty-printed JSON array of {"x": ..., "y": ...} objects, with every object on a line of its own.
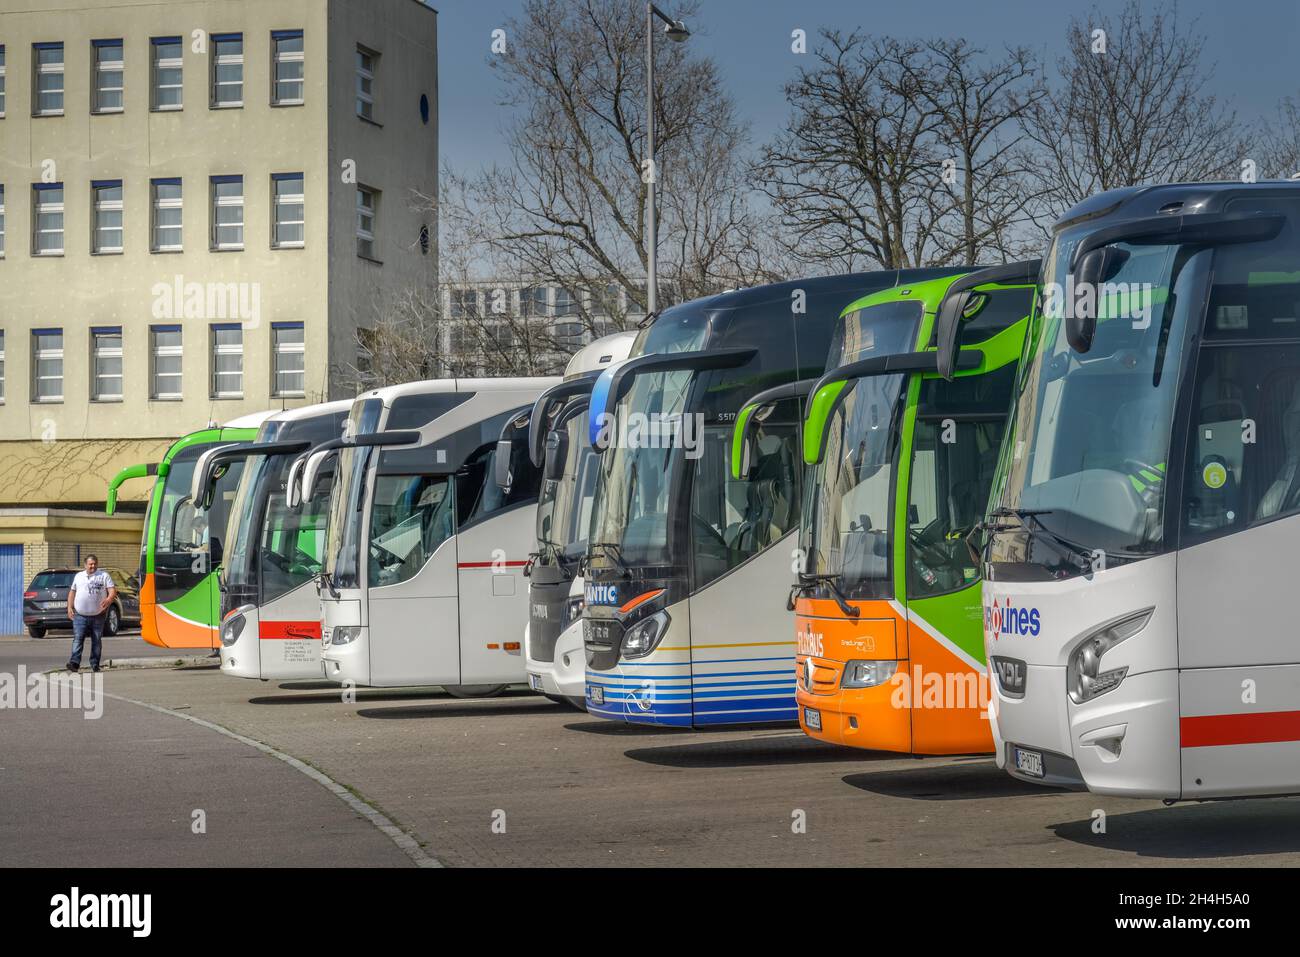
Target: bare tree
[
  {"x": 1131, "y": 108},
  {"x": 569, "y": 209},
  {"x": 1280, "y": 142}
]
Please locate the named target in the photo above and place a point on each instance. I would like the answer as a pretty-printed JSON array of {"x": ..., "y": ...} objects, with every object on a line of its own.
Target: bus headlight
[
  {"x": 233, "y": 626},
  {"x": 572, "y": 611},
  {"x": 643, "y": 637},
  {"x": 1083, "y": 675},
  {"x": 344, "y": 634},
  {"x": 867, "y": 674}
]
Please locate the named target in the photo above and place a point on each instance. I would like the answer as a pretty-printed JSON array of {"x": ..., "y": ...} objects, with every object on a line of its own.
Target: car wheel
[
  {"x": 113, "y": 622},
  {"x": 36, "y": 631}
]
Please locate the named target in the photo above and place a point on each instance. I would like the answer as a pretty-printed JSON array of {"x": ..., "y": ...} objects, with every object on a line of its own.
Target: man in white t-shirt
[{"x": 89, "y": 598}]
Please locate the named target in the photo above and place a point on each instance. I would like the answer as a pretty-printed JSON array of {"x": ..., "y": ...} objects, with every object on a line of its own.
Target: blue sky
[{"x": 1253, "y": 44}]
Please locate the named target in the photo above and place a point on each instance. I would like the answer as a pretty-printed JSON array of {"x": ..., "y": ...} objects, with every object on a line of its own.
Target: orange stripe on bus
[
  {"x": 641, "y": 600},
  {"x": 1217, "y": 730}
]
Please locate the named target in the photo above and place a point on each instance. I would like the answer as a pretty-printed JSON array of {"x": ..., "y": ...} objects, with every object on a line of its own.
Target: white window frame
[
  {"x": 3, "y": 85},
  {"x": 97, "y": 71},
  {"x": 107, "y": 352},
  {"x": 279, "y": 349},
  {"x": 157, "y": 352},
  {"x": 105, "y": 206},
  {"x": 157, "y": 63},
  {"x": 218, "y": 202},
  {"x": 292, "y": 56},
  {"x": 227, "y": 59},
  {"x": 2, "y": 367},
  {"x": 2, "y": 221},
  {"x": 370, "y": 213},
  {"x": 365, "y": 102},
  {"x": 156, "y": 204},
  {"x": 40, "y": 69},
  {"x": 39, "y": 207},
  {"x": 288, "y": 199},
  {"x": 50, "y": 355},
  {"x": 225, "y": 350}
]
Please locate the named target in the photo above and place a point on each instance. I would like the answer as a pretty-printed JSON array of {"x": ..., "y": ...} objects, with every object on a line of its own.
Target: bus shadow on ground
[
  {"x": 362, "y": 696},
  {"x": 509, "y": 703},
  {"x": 966, "y": 779},
  {"x": 787, "y": 749},
  {"x": 1217, "y": 829},
  {"x": 601, "y": 726}
]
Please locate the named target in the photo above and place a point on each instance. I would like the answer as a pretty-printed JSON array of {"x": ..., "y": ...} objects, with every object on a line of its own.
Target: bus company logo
[
  {"x": 601, "y": 594},
  {"x": 1003, "y": 618},
  {"x": 809, "y": 642}
]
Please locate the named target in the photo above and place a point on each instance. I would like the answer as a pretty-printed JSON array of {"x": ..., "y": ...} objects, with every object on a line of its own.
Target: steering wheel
[
  {"x": 700, "y": 525},
  {"x": 930, "y": 551},
  {"x": 278, "y": 560}
]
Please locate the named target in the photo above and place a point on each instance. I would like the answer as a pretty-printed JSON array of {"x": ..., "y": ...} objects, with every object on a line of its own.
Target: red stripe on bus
[
  {"x": 1216, "y": 730},
  {"x": 491, "y": 564},
  {"x": 281, "y": 630}
]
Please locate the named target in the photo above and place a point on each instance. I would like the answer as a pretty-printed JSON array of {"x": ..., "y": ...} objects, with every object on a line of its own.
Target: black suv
[{"x": 45, "y": 603}]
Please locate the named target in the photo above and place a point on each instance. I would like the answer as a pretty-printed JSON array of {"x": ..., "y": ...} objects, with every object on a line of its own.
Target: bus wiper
[
  {"x": 614, "y": 552},
  {"x": 1079, "y": 554},
  {"x": 329, "y": 583},
  {"x": 807, "y": 580}
]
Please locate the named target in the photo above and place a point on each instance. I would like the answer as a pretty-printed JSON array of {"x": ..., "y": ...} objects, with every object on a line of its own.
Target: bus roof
[
  {"x": 600, "y": 354},
  {"x": 431, "y": 386}
]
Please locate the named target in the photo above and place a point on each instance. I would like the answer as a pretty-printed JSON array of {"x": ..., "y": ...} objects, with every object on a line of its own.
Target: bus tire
[{"x": 473, "y": 691}]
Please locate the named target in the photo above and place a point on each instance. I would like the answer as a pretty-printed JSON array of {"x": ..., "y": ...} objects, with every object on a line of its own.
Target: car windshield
[
  {"x": 1088, "y": 448},
  {"x": 849, "y": 510},
  {"x": 53, "y": 580},
  {"x": 638, "y": 469}
]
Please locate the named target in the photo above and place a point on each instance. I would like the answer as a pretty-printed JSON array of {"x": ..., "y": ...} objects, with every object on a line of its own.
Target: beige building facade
[{"x": 202, "y": 202}]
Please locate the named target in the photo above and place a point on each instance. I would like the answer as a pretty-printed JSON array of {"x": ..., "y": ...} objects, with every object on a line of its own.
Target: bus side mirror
[
  {"x": 557, "y": 450},
  {"x": 1096, "y": 268},
  {"x": 821, "y": 405},
  {"x": 501, "y": 464}
]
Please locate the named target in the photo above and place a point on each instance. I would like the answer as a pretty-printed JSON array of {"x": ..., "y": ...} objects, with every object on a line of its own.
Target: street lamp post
[{"x": 676, "y": 31}]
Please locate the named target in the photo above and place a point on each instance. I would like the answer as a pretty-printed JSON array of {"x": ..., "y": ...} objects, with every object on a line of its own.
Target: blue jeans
[{"x": 80, "y": 625}]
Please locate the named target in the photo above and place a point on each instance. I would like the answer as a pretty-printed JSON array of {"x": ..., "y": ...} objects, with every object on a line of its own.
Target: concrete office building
[{"x": 202, "y": 201}]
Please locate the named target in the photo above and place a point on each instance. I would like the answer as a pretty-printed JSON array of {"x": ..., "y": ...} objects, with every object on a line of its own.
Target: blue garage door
[{"x": 11, "y": 589}]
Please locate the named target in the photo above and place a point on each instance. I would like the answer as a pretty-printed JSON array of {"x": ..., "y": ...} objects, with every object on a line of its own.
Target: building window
[
  {"x": 566, "y": 303},
  {"x": 168, "y": 73},
  {"x": 106, "y": 58},
  {"x": 47, "y": 217},
  {"x": 106, "y": 236},
  {"x": 367, "y": 60},
  {"x": 47, "y": 89},
  {"x": 287, "y": 66},
  {"x": 167, "y": 213},
  {"x": 2, "y": 366},
  {"x": 2, "y": 80},
  {"x": 227, "y": 70},
  {"x": 165, "y": 361},
  {"x": 227, "y": 212},
  {"x": 227, "y": 361},
  {"x": 287, "y": 225},
  {"x": 367, "y": 209},
  {"x": 47, "y": 365},
  {"x": 289, "y": 359},
  {"x": 534, "y": 301},
  {"x": 106, "y": 364},
  {"x": 464, "y": 303},
  {"x": 2, "y": 222}
]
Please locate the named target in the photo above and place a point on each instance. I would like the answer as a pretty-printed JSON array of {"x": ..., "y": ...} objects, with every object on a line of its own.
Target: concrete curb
[{"x": 162, "y": 661}]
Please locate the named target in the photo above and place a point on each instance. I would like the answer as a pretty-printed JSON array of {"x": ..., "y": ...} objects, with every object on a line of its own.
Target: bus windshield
[
  {"x": 564, "y": 507},
  {"x": 849, "y": 511},
  {"x": 1084, "y": 469},
  {"x": 347, "y": 498},
  {"x": 637, "y": 468},
  {"x": 182, "y": 527}
]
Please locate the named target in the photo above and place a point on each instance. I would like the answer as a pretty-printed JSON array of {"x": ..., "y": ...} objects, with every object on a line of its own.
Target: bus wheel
[{"x": 473, "y": 691}]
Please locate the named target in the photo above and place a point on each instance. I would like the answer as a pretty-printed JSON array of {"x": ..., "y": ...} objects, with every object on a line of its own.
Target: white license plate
[
  {"x": 597, "y": 694},
  {"x": 535, "y": 682},
  {"x": 52, "y": 604},
  {"x": 813, "y": 718},
  {"x": 1029, "y": 762}
]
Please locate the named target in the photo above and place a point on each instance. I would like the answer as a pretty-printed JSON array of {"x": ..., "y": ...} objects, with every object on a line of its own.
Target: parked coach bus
[
  {"x": 681, "y": 626},
  {"x": 1146, "y": 512},
  {"x": 181, "y": 550},
  {"x": 424, "y": 553},
  {"x": 554, "y": 659},
  {"x": 270, "y": 611},
  {"x": 890, "y": 651}
]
